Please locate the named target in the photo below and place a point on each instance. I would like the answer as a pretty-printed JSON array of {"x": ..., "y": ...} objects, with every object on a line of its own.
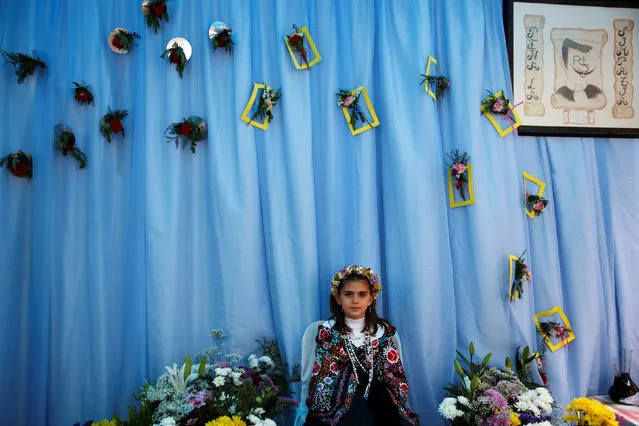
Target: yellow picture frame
[
  {"x": 511, "y": 275},
  {"x": 451, "y": 191},
  {"x": 311, "y": 44},
  {"x": 245, "y": 118},
  {"x": 540, "y": 192},
  {"x": 493, "y": 121},
  {"x": 371, "y": 110},
  {"x": 556, "y": 310},
  {"x": 431, "y": 61}
]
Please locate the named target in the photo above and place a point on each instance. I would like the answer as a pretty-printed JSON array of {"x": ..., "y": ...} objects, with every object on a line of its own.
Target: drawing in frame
[{"x": 575, "y": 66}]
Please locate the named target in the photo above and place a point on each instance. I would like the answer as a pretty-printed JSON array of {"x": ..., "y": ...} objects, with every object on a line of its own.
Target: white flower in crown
[{"x": 370, "y": 275}]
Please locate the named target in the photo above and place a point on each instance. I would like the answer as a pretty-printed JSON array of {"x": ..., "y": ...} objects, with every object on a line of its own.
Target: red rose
[
  {"x": 323, "y": 334},
  {"x": 158, "y": 9},
  {"x": 316, "y": 368},
  {"x": 333, "y": 367},
  {"x": 82, "y": 96},
  {"x": 116, "y": 126},
  {"x": 185, "y": 129},
  {"x": 295, "y": 39},
  {"x": 374, "y": 343},
  {"x": 117, "y": 43},
  {"x": 174, "y": 58},
  {"x": 21, "y": 169},
  {"x": 221, "y": 42},
  {"x": 392, "y": 356},
  {"x": 69, "y": 145},
  {"x": 404, "y": 388},
  {"x": 544, "y": 378}
]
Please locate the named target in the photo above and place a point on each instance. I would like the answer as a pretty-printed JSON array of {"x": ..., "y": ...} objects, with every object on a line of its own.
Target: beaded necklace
[{"x": 350, "y": 349}]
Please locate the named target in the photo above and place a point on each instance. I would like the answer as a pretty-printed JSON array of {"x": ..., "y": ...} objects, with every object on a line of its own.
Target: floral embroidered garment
[{"x": 333, "y": 385}]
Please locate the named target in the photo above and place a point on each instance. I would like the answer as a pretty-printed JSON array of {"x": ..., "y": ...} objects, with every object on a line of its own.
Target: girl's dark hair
[{"x": 371, "y": 321}]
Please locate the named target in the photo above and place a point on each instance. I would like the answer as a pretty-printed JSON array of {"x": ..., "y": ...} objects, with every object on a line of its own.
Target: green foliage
[
  {"x": 176, "y": 55},
  {"x": 24, "y": 64}
]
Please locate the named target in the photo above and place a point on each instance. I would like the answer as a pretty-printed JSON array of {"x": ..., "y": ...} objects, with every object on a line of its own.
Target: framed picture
[{"x": 573, "y": 65}]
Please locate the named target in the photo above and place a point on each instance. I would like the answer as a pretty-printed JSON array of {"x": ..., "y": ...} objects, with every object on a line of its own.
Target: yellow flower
[
  {"x": 514, "y": 420},
  {"x": 226, "y": 421},
  {"x": 588, "y": 412},
  {"x": 105, "y": 422}
]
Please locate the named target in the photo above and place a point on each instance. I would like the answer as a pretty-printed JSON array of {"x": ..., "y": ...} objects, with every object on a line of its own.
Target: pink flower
[
  {"x": 559, "y": 330},
  {"x": 499, "y": 106},
  {"x": 459, "y": 168},
  {"x": 539, "y": 206},
  {"x": 348, "y": 100},
  {"x": 269, "y": 103}
]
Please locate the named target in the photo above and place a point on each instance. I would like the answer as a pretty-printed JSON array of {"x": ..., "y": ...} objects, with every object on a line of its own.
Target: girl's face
[{"x": 355, "y": 297}]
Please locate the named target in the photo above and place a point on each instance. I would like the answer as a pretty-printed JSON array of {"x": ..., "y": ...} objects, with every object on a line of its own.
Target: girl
[{"x": 352, "y": 369}]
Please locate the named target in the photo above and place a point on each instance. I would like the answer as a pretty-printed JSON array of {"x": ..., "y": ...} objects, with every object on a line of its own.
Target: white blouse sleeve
[{"x": 308, "y": 359}]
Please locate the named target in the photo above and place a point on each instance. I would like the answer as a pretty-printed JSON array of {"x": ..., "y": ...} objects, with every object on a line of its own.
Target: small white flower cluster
[
  {"x": 222, "y": 374},
  {"x": 260, "y": 364},
  {"x": 268, "y": 95},
  {"x": 535, "y": 401},
  {"x": 256, "y": 421},
  {"x": 168, "y": 421},
  {"x": 448, "y": 407},
  {"x": 544, "y": 423}
]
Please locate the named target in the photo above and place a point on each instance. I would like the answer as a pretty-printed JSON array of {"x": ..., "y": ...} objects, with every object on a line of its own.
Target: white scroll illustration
[
  {"x": 624, "y": 76},
  {"x": 578, "y": 73},
  {"x": 534, "y": 84}
]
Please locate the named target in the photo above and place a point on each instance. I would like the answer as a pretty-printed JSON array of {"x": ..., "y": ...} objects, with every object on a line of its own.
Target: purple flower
[
  {"x": 287, "y": 400},
  {"x": 494, "y": 400},
  {"x": 500, "y": 418},
  {"x": 499, "y": 106}
]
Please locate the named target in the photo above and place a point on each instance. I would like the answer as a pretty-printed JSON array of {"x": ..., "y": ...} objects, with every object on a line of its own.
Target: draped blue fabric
[{"x": 112, "y": 272}]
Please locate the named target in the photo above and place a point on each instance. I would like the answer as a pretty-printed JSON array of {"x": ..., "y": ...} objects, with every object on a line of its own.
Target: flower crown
[{"x": 370, "y": 275}]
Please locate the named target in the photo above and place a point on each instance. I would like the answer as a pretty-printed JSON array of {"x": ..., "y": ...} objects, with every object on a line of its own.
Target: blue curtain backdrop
[{"x": 112, "y": 272}]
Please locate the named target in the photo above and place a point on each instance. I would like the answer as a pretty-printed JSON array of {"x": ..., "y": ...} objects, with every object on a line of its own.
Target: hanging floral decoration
[
  {"x": 176, "y": 56},
  {"x": 221, "y": 37},
  {"x": 498, "y": 103},
  {"x": 521, "y": 273},
  {"x": 19, "y": 163},
  {"x": 65, "y": 143},
  {"x": 111, "y": 123},
  {"x": 459, "y": 172},
  {"x": 267, "y": 102},
  {"x": 437, "y": 84},
  {"x": 548, "y": 329},
  {"x": 82, "y": 94},
  {"x": 155, "y": 11},
  {"x": 24, "y": 64},
  {"x": 296, "y": 41},
  {"x": 536, "y": 204},
  {"x": 349, "y": 100},
  {"x": 190, "y": 130},
  {"x": 123, "y": 40}
]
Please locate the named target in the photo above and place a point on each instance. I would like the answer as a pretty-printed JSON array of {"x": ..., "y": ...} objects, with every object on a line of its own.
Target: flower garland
[
  {"x": 191, "y": 130},
  {"x": 223, "y": 39},
  {"x": 587, "y": 412},
  {"x": 521, "y": 273},
  {"x": 437, "y": 84},
  {"x": 111, "y": 123},
  {"x": 65, "y": 143},
  {"x": 536, "y": 204},
  {"x": 296, "y": 41},
  {"x": 124, "y": 40},
  {"x": 24, "y": 64},
  {"x": 155, "y": 11},
  {"x": 370, "y": 275},
  {"x": 459, "y": 170},
  {"x": 266, "y": 104},
  {"x": 19, "y": 163},
  {"x": 82, "y": 94},
  {"x": 349, "y": 100},
  {"x": 176, "y": 56}
]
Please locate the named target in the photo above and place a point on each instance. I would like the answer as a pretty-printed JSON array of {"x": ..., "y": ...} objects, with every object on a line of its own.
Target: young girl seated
[{"x": 352, "y": 372}]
